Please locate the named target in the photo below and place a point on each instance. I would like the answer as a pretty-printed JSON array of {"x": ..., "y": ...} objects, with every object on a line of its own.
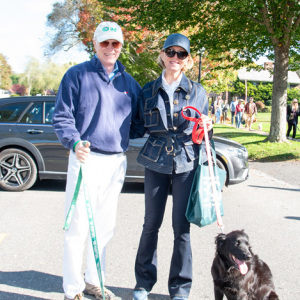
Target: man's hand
[{"x": 82, "y": 151}]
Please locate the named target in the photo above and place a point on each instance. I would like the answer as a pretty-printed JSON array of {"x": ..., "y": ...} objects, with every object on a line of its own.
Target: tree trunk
[{"x": 279, "y": 97}]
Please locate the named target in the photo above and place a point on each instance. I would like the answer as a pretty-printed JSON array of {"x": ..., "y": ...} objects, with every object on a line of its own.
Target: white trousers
[{"x": 104, "y": 177}]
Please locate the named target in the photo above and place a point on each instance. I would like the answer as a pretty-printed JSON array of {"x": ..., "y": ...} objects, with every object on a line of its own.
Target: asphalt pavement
[{"x": 267, "y": 206}]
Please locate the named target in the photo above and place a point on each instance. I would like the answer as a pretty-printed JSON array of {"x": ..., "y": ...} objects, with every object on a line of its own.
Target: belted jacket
[{"x": 169, "y": 147}]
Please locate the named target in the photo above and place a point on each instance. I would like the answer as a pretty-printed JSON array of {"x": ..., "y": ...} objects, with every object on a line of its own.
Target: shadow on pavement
[
  {"x": 293, "y": 218},
  {"x": 275, "y": 187},
  {"x": 15, "y": 296},
  {"x": 126, "y": 294},
  {"x": 32, "y": 280}
]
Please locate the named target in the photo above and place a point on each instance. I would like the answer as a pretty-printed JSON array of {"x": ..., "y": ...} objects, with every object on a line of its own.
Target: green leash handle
[{"x": 91, "y": 222}]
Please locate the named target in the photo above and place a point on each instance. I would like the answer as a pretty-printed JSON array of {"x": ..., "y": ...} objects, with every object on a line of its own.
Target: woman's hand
[{"x": 82, "y": 151}]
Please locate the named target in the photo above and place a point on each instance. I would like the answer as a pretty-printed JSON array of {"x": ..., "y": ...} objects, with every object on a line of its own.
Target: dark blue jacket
[
  {"x": 169, "y": 146},
  {"x": 91, "y": 107}
]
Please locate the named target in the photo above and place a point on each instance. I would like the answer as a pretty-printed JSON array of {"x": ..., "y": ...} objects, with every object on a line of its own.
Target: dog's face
[{"x": 235, "y": 248}]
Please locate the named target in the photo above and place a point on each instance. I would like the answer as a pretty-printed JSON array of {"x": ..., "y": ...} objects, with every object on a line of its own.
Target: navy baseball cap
[{"x": 177, "y": 39}]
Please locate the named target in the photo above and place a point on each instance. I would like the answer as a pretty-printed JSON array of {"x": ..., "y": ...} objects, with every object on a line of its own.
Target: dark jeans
[
  {"x": 157, "y": 187},
  {"x": 232, "y": 117},
  {"x": 290, "y": 126}
]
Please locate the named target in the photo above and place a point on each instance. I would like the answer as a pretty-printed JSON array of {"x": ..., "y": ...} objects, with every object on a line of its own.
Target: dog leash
[
  {"x": 200, "y": 130},
  {"x": 80, "y": 180}
]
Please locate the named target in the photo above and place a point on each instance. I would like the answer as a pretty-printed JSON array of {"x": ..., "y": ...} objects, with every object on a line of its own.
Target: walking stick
[{"x": 80, "y": 180}]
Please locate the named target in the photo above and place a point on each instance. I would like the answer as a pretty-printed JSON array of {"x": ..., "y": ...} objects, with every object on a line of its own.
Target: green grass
[
  {"x": 265, "y": 120},
  {"x": 256, "y": 144}
]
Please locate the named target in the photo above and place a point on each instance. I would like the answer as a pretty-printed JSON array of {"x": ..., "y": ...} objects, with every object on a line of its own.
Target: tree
[
  {"x": 5, "y": 72},
  {"x": 251, "y": 27},
  {"x": 32, "y": 75}
]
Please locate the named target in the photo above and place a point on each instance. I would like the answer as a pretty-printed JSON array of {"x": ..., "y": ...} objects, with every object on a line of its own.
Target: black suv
[{"x": 29, "y": 148}]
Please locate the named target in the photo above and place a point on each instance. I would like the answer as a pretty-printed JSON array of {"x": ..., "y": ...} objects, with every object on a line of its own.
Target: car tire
[
  {"x": 18, "y": 171},
  {"x": 221, "y": 165}
]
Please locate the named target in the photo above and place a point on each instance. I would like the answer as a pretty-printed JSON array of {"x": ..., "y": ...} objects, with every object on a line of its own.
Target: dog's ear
[{"x": 220, "y": 240}]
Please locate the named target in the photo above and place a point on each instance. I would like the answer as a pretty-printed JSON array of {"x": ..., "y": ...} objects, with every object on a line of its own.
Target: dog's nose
[{"x": 248, "y": 255}]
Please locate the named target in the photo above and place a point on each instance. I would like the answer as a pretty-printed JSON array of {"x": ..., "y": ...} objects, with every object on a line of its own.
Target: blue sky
[{"x": 23, "y": 33}]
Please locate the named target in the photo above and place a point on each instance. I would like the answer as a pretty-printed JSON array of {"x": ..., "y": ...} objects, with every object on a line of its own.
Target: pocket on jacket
[
  {"x": 152, "y": 149},
  {"x": 151, "y": 118},
  {"x": 190, "y": 150}
]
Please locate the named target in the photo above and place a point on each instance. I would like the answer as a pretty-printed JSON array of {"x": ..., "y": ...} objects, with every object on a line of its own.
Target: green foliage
[
  {"x": 38, "y": 78},
  {"x": 293, "y": 94},
  {"x": 257, "y": 146},
  {"x": 269, "y": 102},
  {"x": 15, "y": 78},
  {"x": 143, "y": 66},
  {"x": 5, "y": 72},
  {"x": 264, "y": 92}
]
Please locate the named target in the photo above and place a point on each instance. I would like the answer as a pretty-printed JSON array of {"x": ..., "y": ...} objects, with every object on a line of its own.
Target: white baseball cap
[{"x": 108, "y": 31}]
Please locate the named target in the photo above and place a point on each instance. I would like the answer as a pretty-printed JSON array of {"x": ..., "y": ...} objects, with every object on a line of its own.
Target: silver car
[{"x": 30, "y": 150}]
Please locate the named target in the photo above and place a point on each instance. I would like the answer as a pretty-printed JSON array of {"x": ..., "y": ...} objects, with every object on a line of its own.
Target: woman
[
  {"x": 169, "y": 157},
  {"x": 239, "y": 110},
  {"x": 292, "y": 117}
]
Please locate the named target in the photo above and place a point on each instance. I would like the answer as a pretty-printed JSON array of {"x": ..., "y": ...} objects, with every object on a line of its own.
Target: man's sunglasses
[
  {"x": 180, "y": 54},
  {"x": 105, "y": 44}
]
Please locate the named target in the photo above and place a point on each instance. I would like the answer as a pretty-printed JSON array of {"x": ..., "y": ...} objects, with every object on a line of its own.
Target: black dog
[{"x": 238, "y": 273}]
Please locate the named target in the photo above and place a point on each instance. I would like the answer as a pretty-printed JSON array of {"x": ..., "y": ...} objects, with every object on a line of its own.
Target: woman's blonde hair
[
  {"x": 189, "y": 62},
  {"x": 295, "y": 102}
]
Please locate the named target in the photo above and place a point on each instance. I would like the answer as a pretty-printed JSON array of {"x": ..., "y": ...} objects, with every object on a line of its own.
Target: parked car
[{"x": 30, "y": 150}]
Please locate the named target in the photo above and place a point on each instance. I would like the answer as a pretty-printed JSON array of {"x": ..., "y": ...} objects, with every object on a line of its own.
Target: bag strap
[{"x": 200, "y": 130}]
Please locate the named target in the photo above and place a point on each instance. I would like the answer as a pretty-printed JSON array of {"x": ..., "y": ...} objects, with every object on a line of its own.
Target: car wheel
[
  {"x": 18, "y": 170},
  {"x": 221, "y": 165}
]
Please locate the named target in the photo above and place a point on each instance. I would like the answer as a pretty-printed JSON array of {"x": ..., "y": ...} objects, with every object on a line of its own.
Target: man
[
  {"x": 250, "y": 111},
  {"x": 233, "y": 105},
  {"x": 96, "y": 102}
]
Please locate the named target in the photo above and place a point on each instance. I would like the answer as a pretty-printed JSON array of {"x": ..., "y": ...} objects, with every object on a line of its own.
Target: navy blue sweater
[{"x": 91, "y": 107}]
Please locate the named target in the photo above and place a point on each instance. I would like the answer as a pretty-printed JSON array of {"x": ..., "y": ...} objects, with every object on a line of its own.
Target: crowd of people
[
  {"x": 99, "y": 107},
  {"x": 241, "y": 112}
]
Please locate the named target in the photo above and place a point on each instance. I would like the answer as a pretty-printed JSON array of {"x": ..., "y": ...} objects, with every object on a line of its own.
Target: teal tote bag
[{"x": 201, "y": 205}]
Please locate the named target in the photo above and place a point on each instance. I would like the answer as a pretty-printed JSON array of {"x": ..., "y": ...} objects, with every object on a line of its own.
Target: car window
[
  {"x": 34, "y": 114},
  {"x": 49, "y": 109},
  {"x": 10, "y": 113}
]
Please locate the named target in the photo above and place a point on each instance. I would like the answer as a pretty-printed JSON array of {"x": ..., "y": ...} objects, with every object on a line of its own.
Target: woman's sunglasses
[
  {"x": 105, "y": 44},
  {"x": 180, "y": 54}
]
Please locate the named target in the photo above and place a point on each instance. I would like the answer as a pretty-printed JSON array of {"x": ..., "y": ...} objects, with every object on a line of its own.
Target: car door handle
[{"x": 34, "y": 131}]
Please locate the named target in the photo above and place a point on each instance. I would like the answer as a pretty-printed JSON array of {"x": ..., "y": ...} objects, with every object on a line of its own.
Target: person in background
[
  {"x": 239, "y": 110},
  {"x": 218, "y": 109},
  {"x": 170, "y": 158},
  {"x": 233, "y": 105},
  {"x": 96, "y": 102},
  {"x": 212, "y": 111},
  {"x": 250, "y": 113},
  {"x": 224, "y": 108},
  {"x": 293, "y": 113}
]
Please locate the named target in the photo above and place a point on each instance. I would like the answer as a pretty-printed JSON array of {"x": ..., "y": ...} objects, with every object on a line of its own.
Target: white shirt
[{"x": 170, "y": 89}]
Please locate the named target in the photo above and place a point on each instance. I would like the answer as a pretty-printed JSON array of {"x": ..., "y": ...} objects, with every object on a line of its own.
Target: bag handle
[{"x": 200, "y": 130}]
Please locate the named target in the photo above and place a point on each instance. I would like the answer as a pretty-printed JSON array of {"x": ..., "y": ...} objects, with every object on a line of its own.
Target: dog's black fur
[{"x": 256, "y": 284}]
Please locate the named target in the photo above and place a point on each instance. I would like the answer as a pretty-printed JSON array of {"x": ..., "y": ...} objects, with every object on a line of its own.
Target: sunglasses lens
[
  {"x": 180, "y": 54},
  {"x": 104, "y": 44},
  {"x": 170, "y": 52},
  {"x": 116, "y": 45}
]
